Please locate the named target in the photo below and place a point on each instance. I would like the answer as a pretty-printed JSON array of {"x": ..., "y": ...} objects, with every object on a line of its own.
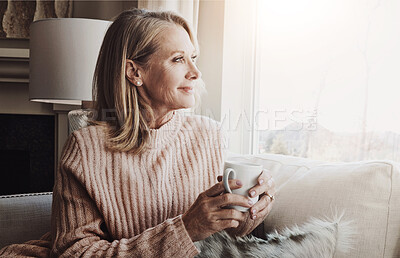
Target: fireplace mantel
[{"x": 14, "y": 65}]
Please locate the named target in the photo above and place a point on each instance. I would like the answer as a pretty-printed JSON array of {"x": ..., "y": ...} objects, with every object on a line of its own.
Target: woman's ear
[{"x": 132, "y": 73}]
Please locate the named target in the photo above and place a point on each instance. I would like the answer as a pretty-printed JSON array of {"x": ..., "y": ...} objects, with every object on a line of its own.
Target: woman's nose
[{"x": 193, "y": 73}]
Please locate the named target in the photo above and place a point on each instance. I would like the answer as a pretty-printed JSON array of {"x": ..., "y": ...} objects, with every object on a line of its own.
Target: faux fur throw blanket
[{"x": 316, "y": 238}]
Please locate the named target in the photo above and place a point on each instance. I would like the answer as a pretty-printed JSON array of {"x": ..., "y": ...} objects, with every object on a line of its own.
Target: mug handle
[{"x": 225, "y": 178}]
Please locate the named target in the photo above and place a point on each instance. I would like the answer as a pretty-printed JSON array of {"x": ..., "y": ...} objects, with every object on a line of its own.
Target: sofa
[
  {"x": 24, "y": 217},
  {"x": 367, "y": 193}
]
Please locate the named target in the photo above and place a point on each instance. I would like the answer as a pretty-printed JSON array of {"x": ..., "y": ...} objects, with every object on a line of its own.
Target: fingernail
[
  {"x": 252, "y": 193},
  {"x": 250, "y": 202},
  {"x": 261, "y": 181},
  {"x": 270, "y": 182},
  {"x": 253, "y": 211},
  {"x": 254, "y": 217},
  {"x": 239, "y": 183}
]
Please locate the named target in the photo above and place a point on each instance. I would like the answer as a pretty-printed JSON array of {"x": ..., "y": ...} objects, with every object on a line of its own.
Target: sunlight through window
[{"x": 328, "y": 79}]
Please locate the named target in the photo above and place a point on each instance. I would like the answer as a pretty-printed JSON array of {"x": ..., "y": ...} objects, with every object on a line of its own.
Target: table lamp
[{"x": 63, "y": 55}]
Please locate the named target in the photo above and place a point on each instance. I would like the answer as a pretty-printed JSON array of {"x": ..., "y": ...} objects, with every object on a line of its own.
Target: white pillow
[{"x": 368, "y": 192}]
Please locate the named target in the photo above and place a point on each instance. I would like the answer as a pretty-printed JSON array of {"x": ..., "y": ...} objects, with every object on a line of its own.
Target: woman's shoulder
[
  {"x": 79, "y": 143},
  {"x": 88, "y": 134}
]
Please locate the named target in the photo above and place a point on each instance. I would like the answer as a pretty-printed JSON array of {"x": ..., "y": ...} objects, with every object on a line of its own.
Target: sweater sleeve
[{"x": 78, "y": 228}]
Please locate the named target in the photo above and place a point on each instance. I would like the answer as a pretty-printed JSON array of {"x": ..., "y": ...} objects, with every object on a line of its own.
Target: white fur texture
[{"x": 316, "y": 238}]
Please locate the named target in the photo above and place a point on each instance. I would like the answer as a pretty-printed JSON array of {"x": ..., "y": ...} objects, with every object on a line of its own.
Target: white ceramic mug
[{"x": 247, "y": 173}]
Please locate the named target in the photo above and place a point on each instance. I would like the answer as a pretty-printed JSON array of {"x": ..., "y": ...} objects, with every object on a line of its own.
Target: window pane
[{"x": 328, "y": 79}]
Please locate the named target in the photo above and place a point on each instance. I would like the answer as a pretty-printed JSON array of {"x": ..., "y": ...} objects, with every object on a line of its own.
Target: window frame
[{"x": 240, "y": 76}]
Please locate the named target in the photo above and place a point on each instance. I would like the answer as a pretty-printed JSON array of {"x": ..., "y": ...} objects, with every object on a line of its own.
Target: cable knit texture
[{"x": 117, "y": 204}]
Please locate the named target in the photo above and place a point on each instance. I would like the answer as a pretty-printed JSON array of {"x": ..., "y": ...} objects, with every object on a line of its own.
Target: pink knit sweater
[{"x": 123, "y": 205}]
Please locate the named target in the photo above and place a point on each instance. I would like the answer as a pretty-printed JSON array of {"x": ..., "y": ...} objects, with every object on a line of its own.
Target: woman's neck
[{"x": 160, "y": 118}]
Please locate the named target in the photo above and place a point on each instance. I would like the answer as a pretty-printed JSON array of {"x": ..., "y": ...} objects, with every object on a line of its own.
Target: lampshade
[{"x": 63, "y": 55}]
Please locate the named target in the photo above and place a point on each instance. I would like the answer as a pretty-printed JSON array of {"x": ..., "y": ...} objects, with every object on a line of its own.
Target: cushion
[
  {"x": 367, "y": 192},
  {"x": 317, "y": 238},
  {"x": 24, "y": 217}
]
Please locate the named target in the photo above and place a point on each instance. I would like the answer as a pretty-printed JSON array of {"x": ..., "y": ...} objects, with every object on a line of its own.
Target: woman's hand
[
  {"x": 266, "y": 190},
  {"x": 206, "y": 216}
]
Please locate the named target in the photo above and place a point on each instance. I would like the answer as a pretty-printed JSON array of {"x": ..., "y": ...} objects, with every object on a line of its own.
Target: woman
[{"x": 141, "y": 182}]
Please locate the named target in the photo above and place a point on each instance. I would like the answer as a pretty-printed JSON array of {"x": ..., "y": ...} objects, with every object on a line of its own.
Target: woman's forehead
[{"x": 173, "y": 40}]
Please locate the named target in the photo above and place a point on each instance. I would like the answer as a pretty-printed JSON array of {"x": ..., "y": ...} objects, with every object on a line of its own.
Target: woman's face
[{"x": 169, "y": 80}]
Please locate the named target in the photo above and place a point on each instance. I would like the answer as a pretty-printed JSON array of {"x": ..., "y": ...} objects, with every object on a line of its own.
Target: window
[{"x": 326, "y": 79}]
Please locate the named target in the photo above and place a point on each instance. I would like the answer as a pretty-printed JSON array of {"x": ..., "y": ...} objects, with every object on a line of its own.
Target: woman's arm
[{"x": 78, "y": 228}]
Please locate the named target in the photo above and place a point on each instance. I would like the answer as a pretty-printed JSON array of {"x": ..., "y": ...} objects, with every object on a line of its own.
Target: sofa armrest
[{"x": 24, "y": 217}]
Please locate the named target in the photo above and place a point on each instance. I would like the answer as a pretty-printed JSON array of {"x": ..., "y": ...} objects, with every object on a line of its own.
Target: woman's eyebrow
[
  {"x": 177, "y": 52},
  {"x": 182, "y": 52}
]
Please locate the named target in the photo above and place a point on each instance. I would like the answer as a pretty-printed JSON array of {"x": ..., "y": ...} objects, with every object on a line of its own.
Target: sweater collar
[{"x": 167, "y": 132}]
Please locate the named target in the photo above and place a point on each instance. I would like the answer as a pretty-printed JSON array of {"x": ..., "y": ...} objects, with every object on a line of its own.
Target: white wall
[{"x": 210, "y": 36}]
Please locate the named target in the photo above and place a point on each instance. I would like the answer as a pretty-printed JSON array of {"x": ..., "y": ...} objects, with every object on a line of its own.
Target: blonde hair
[{"x": 133, "y": 35}]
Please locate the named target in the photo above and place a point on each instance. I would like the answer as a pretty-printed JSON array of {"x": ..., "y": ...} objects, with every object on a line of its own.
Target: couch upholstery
[
  {"x": 24, "y": 217},
  {"x": 367, "y": 192}
]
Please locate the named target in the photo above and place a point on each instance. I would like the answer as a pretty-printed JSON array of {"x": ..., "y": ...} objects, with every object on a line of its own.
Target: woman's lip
[{"x": 187, "y": 89}]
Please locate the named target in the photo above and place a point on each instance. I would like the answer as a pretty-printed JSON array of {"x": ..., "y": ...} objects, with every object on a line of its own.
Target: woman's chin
[{"x": 188, "y": 102}]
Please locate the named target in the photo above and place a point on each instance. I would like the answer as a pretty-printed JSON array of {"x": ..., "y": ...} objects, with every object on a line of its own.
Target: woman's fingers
[
  {"x": 229, "y": 199},
  {"x": 262, "y": 207},
  {"x": 227, "y": 223},
  {"x": 219, "y": 188},
  {"x": 265, "y": 182},
  {"x": 228, "y": 218},
  {"x": 265, "y": 189},
  {"x": 224, "y": 214}
]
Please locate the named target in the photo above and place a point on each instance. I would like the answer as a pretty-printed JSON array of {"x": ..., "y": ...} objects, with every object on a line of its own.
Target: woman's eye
[
  {"x": 178, "y": 59},
  {"x": 182, "y": 59}
]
